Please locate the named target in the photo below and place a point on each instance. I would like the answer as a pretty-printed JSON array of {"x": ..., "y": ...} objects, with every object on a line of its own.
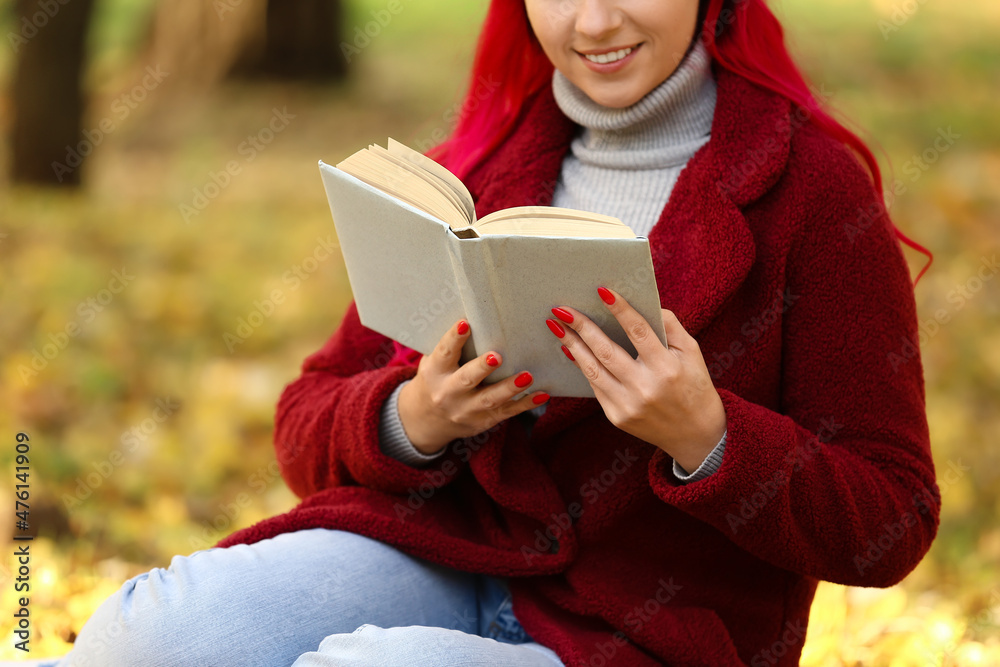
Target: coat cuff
[
  {"x": 707, "y": 467},
  {"x": 393, "y": 440}
]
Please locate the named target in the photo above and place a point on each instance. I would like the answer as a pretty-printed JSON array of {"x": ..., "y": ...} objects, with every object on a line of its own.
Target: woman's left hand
[{"x": 665, "y": 396}]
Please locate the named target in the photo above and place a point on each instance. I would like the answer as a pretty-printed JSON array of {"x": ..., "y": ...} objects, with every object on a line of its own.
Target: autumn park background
[{"x": 123, "y": 281}]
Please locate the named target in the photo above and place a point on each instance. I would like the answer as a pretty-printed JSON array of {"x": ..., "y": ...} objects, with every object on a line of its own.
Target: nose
[{"x": 597, "y": 19}]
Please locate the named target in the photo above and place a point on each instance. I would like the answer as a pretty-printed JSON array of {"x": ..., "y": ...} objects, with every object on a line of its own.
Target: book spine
[{"x": 473, "y": 275}]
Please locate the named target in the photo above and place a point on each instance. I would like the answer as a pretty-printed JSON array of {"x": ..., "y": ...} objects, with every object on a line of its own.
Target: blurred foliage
[{"x": 157, "y": 349}]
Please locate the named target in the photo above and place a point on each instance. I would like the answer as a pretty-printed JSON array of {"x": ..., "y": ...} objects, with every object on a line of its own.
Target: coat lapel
[{"x": 702, "y": 246}]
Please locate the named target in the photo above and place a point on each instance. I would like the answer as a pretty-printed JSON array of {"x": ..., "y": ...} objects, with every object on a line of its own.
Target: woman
[{"x": 685, "y": 515}]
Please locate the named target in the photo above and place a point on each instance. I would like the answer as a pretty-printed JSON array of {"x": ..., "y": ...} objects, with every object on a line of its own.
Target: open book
[{"x": 418, "y": 260}]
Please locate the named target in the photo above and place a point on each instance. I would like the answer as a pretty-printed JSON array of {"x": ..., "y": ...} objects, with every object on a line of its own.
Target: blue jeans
[{"x": 309, "y": 598}]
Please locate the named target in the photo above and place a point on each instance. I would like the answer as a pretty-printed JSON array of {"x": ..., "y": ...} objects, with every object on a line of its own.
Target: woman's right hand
[{"x": 444, "y": 401}]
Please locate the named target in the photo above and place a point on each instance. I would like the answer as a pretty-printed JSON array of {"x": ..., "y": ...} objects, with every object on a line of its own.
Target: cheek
[
  {"x": 537, "y": 22},
  {"x": 545, "y": 24},
  {"x": 675, "y": 23},
  {"x": 675, "y": 30}
]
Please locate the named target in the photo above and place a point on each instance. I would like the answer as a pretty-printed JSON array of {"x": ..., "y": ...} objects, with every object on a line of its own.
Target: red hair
[{"x": 742, "y": 36}]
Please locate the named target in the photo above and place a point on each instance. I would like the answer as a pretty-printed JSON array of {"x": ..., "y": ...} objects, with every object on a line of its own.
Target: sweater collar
[
  {"x": 661, "y": 130},
  {"x": 745, "y": 156}
]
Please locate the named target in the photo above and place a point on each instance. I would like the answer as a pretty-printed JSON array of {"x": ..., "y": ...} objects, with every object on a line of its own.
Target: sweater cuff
[
  {"x": 392, "y": 437},
  {"x": 707, "y": 467}
]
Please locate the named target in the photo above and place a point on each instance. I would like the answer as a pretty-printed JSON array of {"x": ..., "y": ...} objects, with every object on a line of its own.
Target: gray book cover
[{"x": 413, "y": 278}]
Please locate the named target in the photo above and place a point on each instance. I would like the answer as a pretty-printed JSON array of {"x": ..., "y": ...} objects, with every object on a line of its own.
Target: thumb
[
  {"x": 677, "y": 335},
  {"x": 448, "y": 351}
]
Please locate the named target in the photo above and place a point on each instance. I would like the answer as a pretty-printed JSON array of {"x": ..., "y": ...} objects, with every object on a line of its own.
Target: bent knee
[{"x": 149, "y": 620}]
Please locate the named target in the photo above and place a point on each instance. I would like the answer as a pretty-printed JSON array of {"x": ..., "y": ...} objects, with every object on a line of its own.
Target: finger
[
  {"x": 495, "y": 400},
  {"x": 578, "y": 336},
  {"x": 677, "y": 335},
  {"x": 647, "y": 343},
  {"x": 475, "y": 371},
  {"x": 448, "y": 351}
]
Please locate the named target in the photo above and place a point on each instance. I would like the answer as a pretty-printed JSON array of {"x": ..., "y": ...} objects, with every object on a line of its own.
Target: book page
[
  {"x": 555, "y": 227},
  {"x": 548, "y": 212},
  {"x": 403, "y": 183},
  {"x": 444, "y": 188},
  {"x": 429, "y": 165},
  {"x": 552, "y": 221}
]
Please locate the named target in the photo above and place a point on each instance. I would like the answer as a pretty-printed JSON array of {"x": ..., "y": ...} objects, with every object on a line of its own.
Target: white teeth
[{"x": 611, "y": 57}]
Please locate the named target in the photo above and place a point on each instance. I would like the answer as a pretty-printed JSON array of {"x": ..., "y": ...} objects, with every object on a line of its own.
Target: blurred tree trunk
[
  {"x": 301, "y": 40},
  {"x": 46, "y": 92},
  {"x": 201, "y": 42},
  {"x": 198, "y": 41}
]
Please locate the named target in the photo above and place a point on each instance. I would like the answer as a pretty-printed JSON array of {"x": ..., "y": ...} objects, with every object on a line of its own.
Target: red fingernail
[
  {"x": 563, "y": 315},
  {"x": 606, "y": 296},
  {"x": 540, "y": 398},
  {"x": 555, "y": 328},
  {"x": 523, "y": 380},
  {"x": 463, "y": 326},
  {"x": 567, "y": 352},
  {"x": 491, "y": 360}
]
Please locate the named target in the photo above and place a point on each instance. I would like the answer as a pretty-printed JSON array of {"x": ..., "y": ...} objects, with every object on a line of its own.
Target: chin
[
  {"x": 614, "y": 96},
  {"x": 614, "y": 101}
]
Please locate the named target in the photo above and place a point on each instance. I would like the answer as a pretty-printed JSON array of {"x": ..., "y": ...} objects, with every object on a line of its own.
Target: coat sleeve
[
  {"x": 326, "y": 430},
  {"x": 838, "y": 484}
]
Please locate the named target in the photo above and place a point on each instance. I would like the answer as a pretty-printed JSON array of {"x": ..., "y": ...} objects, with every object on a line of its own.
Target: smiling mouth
[{"x": 609, "y": 56}]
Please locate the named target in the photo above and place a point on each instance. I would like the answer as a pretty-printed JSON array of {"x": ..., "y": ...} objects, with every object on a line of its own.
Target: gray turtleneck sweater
[{"x": 623, "y": 163}]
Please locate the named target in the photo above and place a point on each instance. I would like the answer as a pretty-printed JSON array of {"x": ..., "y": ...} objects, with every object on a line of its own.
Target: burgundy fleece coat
[{"x": 774, "y": 254}]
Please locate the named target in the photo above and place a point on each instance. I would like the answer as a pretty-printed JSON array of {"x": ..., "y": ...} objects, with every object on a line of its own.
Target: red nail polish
[
  {"x": 555, "y": 328},
  {"x": 491, "y": 360},
  {"x": 540, "y": 398},
  {"x": 463, "y": 326},
  {"x": 523, "y": 380},
  {"x": 606, "y": 296},
  {"x": 567, "y": 352},
  {"x": 563, "y": 315}
]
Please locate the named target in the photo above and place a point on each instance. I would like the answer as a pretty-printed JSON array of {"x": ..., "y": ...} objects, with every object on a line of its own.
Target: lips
[
  {"x": 610, "y": 57},
  {"x": 609, "y": 60}
]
